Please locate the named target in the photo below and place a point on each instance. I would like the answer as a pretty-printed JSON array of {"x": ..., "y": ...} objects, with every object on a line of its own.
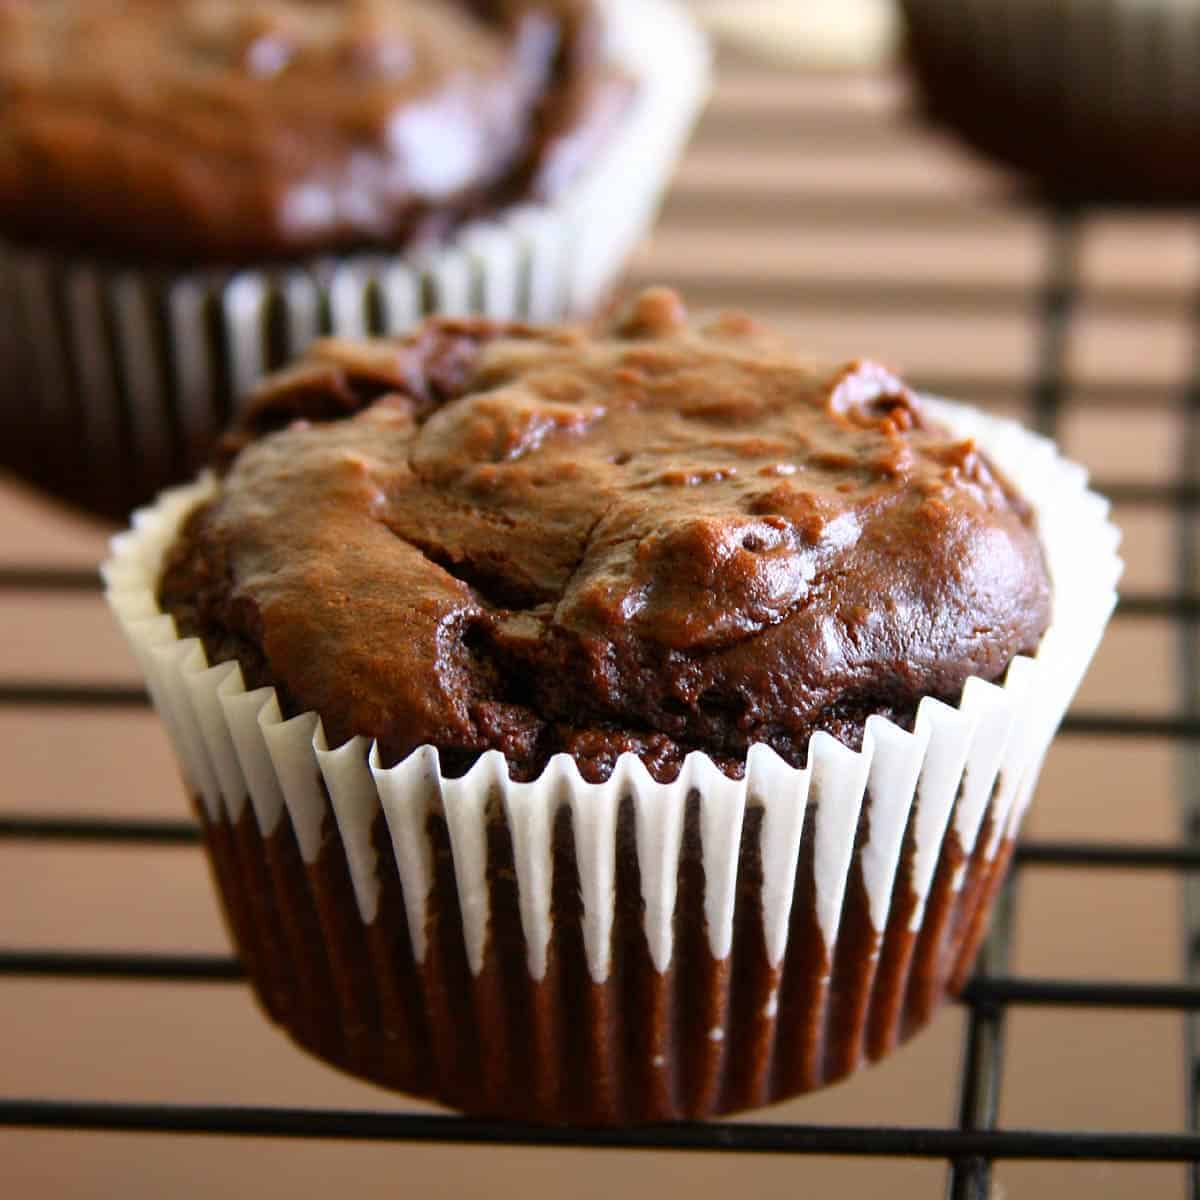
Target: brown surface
[
  {"x": 202, "y": 132},
  {"x": 1034, "y": 85},
  {"x": 665, "y": 536},
  {"x": 805, "y": 217}
]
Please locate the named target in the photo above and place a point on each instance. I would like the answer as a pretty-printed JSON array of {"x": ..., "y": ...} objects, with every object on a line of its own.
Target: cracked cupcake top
[
  {"x": 658, "y": 538},
  {"x": 231, "y": 129}
]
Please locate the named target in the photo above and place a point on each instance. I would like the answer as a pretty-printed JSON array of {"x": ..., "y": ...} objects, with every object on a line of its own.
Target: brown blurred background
[{"x": 813, "y": 199}]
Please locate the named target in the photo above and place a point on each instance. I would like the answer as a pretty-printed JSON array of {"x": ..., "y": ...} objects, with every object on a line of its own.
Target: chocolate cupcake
[
  {"x": 1094, "y": 100},
  {"x": 191, "y": 192},
  {"x": 611, "y": 727}
]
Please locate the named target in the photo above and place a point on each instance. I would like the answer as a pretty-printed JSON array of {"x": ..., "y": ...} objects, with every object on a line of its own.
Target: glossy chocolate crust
[
  {"x": 658, "y": 538},
  {"x": 227, "y": 130}
]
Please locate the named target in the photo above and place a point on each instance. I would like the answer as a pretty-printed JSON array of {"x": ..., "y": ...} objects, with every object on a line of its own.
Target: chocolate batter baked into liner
[
  {"x": 516, "y": 756},
  {"x": 191, "y": 192}
]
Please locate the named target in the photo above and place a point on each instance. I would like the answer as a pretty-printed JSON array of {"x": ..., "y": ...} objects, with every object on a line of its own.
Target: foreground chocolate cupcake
[
  {"x": 611, "y": 728},
  {"x": 191, "y": 191}
]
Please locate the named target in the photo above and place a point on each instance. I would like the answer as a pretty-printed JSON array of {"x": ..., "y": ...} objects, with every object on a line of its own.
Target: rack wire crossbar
[{"x": 884, "y": 1142}]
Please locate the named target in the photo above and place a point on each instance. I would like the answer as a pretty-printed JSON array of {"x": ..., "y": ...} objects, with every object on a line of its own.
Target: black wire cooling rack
[{"x": 973, "y": 1142}]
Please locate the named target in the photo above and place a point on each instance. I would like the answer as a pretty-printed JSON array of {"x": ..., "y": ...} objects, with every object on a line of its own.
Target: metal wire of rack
[{"x": 973, "y": 1141}]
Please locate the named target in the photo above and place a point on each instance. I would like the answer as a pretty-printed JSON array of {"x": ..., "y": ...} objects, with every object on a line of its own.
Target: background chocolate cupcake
[
  {"x": 191, "y": 191},
  {"x": 638, "y": 725},
  {"x": 1095, "y": 100}
]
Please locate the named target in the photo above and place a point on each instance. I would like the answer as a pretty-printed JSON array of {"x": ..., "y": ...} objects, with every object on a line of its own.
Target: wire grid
[{"x": 972, "y": 1143}]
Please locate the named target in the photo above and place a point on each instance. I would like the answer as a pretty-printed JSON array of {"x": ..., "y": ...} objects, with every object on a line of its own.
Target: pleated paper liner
[
  {"x": 119, "y": 379},
  {"x": 628, "y": 951}
]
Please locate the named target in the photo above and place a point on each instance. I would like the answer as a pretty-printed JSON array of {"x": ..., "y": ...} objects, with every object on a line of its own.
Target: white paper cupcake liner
[
  {"x": 852, "y": 34},
  {"x": 122, "y": 377},
  {"x": 630, "y": 950}
]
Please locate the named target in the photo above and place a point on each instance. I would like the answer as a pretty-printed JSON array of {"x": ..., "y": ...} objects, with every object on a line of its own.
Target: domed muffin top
[
  {"x": 236, "y": 129},
  {"x": 657, "y": 537}
]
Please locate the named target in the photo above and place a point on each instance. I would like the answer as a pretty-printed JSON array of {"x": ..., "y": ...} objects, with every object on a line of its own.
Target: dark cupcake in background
[
  {"x": 1093, "y": 100},
  {"x": 190, "y": 191},
  {"x": 618, "y": 726}
]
